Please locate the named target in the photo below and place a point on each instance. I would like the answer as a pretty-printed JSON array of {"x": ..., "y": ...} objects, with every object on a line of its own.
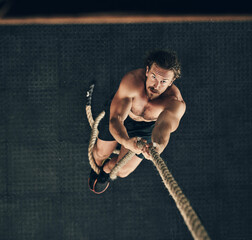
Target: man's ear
[
  {"x": 172, "y": 81},
  {"x": 147, "y": 71}
]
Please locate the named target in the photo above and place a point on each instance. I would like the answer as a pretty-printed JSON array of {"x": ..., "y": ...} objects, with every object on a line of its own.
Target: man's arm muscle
[
  {"x": 167, "y": 122},
  {"x": 120, "y": 108}
]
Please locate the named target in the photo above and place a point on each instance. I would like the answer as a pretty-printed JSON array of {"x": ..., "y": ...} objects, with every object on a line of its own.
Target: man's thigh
[{"x": 105, "y": 147}]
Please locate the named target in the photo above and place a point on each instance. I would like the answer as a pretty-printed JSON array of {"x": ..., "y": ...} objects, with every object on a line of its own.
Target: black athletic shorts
[{"x": 134, "y": 129}]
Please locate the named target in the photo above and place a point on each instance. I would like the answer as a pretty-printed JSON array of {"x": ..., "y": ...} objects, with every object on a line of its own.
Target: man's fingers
[
  {"x": 146, "y": 149},
  {"x": 146, "y": 146}
]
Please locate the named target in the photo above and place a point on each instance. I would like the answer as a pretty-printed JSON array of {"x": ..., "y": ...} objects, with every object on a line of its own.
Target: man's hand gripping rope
[{"x": 146, "y": 148}]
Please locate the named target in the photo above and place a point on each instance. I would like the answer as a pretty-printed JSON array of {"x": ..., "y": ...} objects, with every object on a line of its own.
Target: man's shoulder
[
  {"x": 174, "y": 101},
  {"x": 134, "y": 78},
  {"x": 173, "y": 93}
]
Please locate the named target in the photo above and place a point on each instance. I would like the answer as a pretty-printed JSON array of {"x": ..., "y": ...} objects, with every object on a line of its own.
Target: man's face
[{"x": 158, "y": 80}]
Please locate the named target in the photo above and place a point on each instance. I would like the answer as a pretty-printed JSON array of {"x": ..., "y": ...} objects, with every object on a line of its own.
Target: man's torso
[{"x": 147, "y": 110}]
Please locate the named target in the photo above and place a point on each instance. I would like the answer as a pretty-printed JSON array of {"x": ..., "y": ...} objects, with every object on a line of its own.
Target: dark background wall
[{"x": 57, "y": 7}]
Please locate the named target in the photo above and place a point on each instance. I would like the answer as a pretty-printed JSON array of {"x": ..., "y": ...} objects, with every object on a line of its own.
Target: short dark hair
[{"x": 166, "y": 59}]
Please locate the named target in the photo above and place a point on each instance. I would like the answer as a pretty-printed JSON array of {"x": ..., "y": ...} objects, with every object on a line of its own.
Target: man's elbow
[
  {"x": 113, "y": 122},
  {"x": 174, "y": 126},
  {"x": 170, "y": 127},
  {"x": 161, "y": 133}
]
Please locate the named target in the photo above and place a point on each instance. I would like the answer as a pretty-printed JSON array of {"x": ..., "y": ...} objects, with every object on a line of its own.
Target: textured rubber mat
[{"x": 45, "y": 71}]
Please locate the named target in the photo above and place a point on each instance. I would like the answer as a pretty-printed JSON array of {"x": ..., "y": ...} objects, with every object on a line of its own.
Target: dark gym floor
[{"x": 45, "y": 71}]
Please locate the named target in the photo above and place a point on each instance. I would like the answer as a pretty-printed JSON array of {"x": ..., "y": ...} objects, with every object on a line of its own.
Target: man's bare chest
[{"x": 145, "y": 111}]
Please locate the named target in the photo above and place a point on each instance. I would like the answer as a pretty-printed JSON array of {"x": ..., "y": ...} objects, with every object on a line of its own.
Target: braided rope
[
  {"x": 94, "y": 130},
  {"x": 120, "y": 164},
  {"x": 189, "y": 215},
  {"x": 93, "y": 137},
  {"x": 89, "y": 112},
  {"x": 89, "y": 116}
]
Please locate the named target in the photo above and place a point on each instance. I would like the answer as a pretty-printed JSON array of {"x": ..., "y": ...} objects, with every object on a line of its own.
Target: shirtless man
[{"x": 147, "y": 104}]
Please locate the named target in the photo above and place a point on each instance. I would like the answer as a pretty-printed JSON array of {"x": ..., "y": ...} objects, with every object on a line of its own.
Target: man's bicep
[
  {"x": 170, "y": 118},
  {"x": 167, "y": 121},
  {"x": 120, "y": 107},
  {"x": 176, "y": 107}
]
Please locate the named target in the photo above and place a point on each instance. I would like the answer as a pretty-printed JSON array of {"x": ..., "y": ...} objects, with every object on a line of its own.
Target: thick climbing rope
[
  {"x": 189, "y": 215},
  {"x": 94, "y": 130}
]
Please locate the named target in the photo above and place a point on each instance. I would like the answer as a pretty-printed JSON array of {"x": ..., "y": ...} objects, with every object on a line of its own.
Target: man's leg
[
  {"x": 102, "y": 150},
  {"x": 127, "y": 168}
]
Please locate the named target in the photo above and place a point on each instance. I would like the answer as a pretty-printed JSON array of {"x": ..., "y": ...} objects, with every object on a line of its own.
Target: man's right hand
[{"x": 131, "y": 144}]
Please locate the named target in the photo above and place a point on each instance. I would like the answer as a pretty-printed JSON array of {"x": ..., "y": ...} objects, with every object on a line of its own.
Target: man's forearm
[
  {"x": 118, "y": 131},
  {"x": 161, "y": 136}
]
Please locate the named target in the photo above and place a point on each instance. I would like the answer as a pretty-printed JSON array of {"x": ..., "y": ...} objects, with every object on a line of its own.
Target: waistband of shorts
[{"x": 130, "y": 120}]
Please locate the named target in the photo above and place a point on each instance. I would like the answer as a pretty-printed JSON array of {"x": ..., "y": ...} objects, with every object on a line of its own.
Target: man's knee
[
  {"x": 127, "y": 169},
  {"x": 100, "y": 152}
]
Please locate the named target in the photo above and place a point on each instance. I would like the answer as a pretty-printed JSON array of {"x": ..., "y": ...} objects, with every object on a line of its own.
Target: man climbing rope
[{"x": 147, "y": 105}]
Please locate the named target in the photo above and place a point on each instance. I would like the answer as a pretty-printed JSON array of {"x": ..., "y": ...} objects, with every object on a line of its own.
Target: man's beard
[{"x": 152, "y": 93}]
